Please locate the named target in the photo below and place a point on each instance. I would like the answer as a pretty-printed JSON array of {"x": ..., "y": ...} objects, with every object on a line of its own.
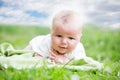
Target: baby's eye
[
  {"x": 59, "y": 35},
  {"x": 71, "y": 38}
]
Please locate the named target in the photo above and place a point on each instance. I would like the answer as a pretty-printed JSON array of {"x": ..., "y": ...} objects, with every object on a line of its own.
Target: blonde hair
[{"x": 67, "y": 17}]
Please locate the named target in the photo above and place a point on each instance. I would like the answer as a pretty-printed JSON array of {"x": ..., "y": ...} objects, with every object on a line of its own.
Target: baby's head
[
  {"x": 67, "y": 19},
  {"x": 66, "y": 31}
]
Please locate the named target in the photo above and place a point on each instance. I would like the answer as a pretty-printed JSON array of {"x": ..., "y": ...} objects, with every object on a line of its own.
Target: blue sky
[{"x": 40, "y": 12}]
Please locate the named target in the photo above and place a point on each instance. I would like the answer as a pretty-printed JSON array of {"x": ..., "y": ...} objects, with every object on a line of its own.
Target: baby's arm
[
  {"x": 29, "y": 47},
  {"x": 93, "y": 62}
]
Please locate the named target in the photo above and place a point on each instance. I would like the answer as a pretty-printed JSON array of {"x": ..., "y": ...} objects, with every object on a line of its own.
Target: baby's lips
[{"x": 64, "y": 48}]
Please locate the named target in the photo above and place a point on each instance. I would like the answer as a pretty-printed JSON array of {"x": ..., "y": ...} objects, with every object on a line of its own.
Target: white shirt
[{"x": 42, "y": 45}]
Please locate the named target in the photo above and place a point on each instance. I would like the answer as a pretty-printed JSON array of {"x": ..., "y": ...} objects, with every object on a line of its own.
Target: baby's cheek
[
  {"x": 56, "y": 41},
  {"x": 73, "y": 45}
]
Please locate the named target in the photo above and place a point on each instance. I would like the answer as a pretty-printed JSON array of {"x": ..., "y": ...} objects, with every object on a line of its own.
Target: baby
[{"x": 63, "y": 43}]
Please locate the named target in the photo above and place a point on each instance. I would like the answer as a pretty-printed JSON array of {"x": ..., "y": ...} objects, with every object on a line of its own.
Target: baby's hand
[{"x": 58, "y": 58}]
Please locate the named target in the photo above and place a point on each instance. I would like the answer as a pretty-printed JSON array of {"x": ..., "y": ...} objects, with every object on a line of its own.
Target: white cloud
[{"x": 14, "y": 11}]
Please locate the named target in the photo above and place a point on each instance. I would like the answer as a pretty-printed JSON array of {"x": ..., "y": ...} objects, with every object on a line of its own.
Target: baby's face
[{"x": 64, "y": 40}]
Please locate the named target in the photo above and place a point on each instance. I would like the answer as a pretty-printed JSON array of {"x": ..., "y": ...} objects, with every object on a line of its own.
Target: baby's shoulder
[
  {"x": 79, "y": 45},
  {"x": 39, "y": 37}
]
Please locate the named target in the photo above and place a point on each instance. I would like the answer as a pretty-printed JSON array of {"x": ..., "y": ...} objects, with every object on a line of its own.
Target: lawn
[{"x": 101, "y": 44}]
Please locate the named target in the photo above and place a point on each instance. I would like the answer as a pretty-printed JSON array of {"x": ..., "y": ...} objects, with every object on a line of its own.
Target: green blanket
[{"x": 21, "y": 59}]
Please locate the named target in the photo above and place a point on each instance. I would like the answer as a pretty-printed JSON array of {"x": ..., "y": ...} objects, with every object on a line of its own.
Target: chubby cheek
[
  {"x": 72, "y": 45},
  {"x": 55, "y": 42}
]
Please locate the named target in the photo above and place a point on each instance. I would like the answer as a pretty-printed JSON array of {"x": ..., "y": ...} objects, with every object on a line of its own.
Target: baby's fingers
[
  {"x": 51, "y": 57},
  {"x": 52, "y": 53}
]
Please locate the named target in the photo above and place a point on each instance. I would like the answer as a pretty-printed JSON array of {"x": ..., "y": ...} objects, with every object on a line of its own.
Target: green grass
[
  {"x": 20, "y": 36},
  {"x": 101, "y": 44}
]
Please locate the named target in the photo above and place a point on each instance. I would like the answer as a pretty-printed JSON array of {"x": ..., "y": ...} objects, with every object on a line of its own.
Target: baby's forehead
[
  {"x": 67, "y": 17},
  {"x": 67, "y": 29},
  {"x": 68, "y": 25}
]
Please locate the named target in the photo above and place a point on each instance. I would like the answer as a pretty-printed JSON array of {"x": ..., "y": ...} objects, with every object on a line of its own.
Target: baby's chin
[{"x": 62, "y": 52}]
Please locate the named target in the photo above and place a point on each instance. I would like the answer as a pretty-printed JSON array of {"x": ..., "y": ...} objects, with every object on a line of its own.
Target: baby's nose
[{"x": 64, "y": 40}]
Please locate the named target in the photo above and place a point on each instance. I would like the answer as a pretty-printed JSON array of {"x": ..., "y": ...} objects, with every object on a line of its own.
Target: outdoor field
[{"x": 102, "y": 44}]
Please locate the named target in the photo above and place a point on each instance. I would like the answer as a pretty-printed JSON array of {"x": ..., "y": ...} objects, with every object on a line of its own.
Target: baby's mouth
[{"x": 63, "y": 48}]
